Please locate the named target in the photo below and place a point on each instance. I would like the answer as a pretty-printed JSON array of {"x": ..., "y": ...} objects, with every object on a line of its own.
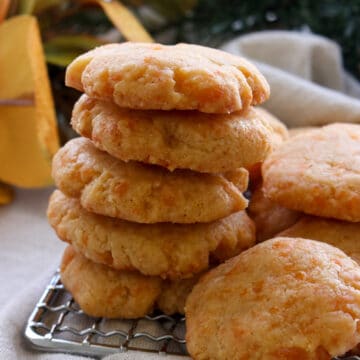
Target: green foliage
[
  {"x": 61, "y": 50},
  {"x": 172, "y": 10},
  {"x": 213, "y": 22},
  {"x": 340, "y": 21},
  {"x": 209, "y": 22},
  {"x": 36, "y": 6}
]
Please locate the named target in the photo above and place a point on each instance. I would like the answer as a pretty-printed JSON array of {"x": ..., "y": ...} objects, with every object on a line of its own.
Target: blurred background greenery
[{"x": 70, "y": 27}]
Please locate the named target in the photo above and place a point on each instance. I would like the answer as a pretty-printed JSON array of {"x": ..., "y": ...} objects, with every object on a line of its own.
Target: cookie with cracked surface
[
  {"x": 175, "y": 139},
  {"x": 174, "y": 294},
  {"x": 269, "y": 217},
  {"x": 341, "y": 234},
  {"x": 104, "y": 292},
  {"x": 317, "y": 172},
  {"x": 160, "y": 77},
  {"x": 172, "y": 251},
  {"x": 101, "y": 291},
  {"x": 145, "y": 193},
  {"x": 284, "y": 298},
  {"x": 280, "y": 133}
]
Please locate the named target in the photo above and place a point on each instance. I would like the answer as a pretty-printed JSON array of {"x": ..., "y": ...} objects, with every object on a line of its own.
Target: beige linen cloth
[
  {"x": 306, "y": 77},
  {"x": 308, "y": 87}
]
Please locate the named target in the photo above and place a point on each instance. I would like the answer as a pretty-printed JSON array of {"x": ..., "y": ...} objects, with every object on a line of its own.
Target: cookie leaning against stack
[
  {"x": 315, "y": 172},
  {"x": 318, "y": 172},
  {"x": 152, "y": 192},
  {"x": 325, "y": 162}
]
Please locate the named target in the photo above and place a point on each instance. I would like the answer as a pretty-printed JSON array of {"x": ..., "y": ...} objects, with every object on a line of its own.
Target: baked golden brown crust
[
  {"x": 144, "y": 193},
  {"x": 269, "y": 217},
  {"x": 280, "y": 131},
  {"x": 175, "y": 139},
  {"x": 317, "y": 172},
  {"x": 341, "y": 234},
  {"x": 282, "y": 299},
  {"x": 103, "y": 292},
  {"x": 173, "y": 296},
  {"x": 172, "y": 251},
  {"x": 153, "y": 76}
]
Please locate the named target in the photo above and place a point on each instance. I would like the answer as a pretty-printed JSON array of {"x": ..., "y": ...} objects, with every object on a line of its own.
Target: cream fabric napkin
[
  {"x": 308, "y": 83},
  {"x": 308, "y": 87}
]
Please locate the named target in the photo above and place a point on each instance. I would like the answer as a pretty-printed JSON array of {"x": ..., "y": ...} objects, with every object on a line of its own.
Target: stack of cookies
[{"x": 151, "y": 195}]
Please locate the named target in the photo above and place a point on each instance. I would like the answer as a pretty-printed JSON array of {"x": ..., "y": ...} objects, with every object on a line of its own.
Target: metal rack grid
[{"x": 57, "y": 324}]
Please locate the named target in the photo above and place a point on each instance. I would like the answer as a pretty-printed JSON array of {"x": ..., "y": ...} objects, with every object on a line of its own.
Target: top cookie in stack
[
  {"x": 167, "y": 132},
  {"x": 158, "y": 77}
]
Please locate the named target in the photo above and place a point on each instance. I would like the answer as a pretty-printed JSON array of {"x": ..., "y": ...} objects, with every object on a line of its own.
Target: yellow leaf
[
  {"x": 123, "y": 20},
  {"x": 28, "y": 132},
  {"x": 6, "y": 194},
  {"x": 4, "y": 8}
]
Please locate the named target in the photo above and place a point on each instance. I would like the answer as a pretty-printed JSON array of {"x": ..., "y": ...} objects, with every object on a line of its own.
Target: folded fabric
[{"x": 308, "y": 83}]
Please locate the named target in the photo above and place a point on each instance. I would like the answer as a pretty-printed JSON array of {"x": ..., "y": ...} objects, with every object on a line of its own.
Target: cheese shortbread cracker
[{"x": 182, "y": 77}]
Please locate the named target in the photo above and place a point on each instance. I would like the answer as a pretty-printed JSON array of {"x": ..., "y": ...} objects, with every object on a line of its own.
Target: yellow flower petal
[{"x": 28, "y": 130}]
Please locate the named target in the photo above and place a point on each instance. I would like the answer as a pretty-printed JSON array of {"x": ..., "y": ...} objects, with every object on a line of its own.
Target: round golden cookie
[
  {"x": 175, "y": 139},
  {"x": 103, "y": 292},
  {"x": 159, "y": 77},
  {"x": 317, "y": 172},
  {"x": 280, "y": 133},
  {"x": 269, "y": 217},
  {"x": 172, "y": 251},
  {"x": 174, "y": 294},
  {"x": 341, "y": 234},
  {"x": 282, "y": 299},
  {"x": 144, "y": 193}
]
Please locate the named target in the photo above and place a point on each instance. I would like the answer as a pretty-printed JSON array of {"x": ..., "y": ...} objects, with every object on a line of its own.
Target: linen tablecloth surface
[{"x": 308, "y": 87}]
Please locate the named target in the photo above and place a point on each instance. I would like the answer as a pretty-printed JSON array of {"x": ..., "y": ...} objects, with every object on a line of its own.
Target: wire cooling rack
[{"x": 57, "y": 324}]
